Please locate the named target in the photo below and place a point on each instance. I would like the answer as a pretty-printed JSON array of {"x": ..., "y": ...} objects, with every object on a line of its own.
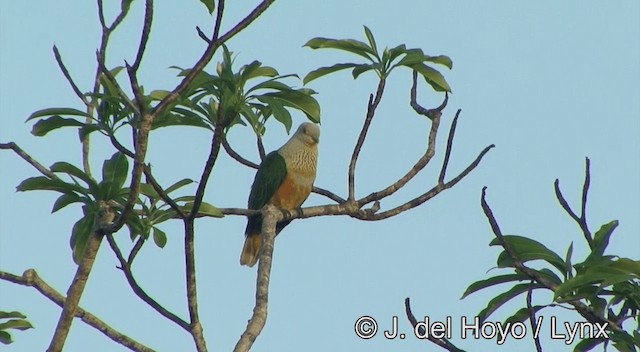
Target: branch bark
[
  {"x": 31, "y": 279},
  {"x": 75, "y": 292},
  {"x": 270, "y": 217}
]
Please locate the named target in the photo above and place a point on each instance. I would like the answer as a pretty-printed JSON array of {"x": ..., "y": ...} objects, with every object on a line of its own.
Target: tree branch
[
  {"x": 26, "y": 157},
  {"x": 582, "y": 309},
  {"x": 67, "y": 75},
  {"x": 270, "y": 217},
  {"x": 208, "y": 54},
  {"x": 144, "y": 37},
  {"x": 31, "y": 279},
  {"x": 126, "y": 269},
  {"x": 582, "y": 220},
  {"x": 532, "y": 319},
  {"x": 444, "y": 343},
  {"x": 434, "y": 115},
  {"x": 371, "y": 110},
  {"x": 75, "y": 292}
]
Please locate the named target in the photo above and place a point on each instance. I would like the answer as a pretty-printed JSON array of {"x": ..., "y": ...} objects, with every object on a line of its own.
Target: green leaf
[
  {"x": 601, "y": 238},
  {"x": 432, "y": 77},
  {"x": 322, "y": 71},
  {"x": 279, "y": 112},
  {"x": 210, "y": 4},
  {"x": 57, "y": 112},
  {"x": 159, "y": 94},
  {"x": 360, "y": 69},
  {"x": 300, "y": 101},
  {"x": 159, "y": 237},
  {"x": 72, "y": 170},
  {"x": 115, "y": 170},
  {"x": 179, "y": 184},
  {"x": 64, "y": 200},
  {"x": 19, "y": 324},
  {"x": 496, "y": 280},
  {"x": 587, "y": 279},
  {"x": 351, "y": 45},
  {"x": 527, "y": 249},
  {"x": 522, "y": 314},
  {"x": 503, "y": 298},
  {"x": 567, "y": 260},
  {"x": 5, "y": 338},
  {"x": 79, "y": 236},
  {"x": 587, "y": 345},
  {"x": 14, "y": 314},
  {"x": 42, "y": 183},
  {"x": 440, "y": 59},
  {"x": 205, "y": 209},
  {"x": 181, "y": 119},
  {"x": 147, "y": 190},
  {"x": 42, "y": 127},
  {"x": 371, "y": 39}
]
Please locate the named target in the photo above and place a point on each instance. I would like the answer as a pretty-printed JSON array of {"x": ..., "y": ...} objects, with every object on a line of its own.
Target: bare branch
[
  {"x": 202, "y": 35},
  {"x": 67, "y": 75},
  {"x": 135, "y": 250},
  {"x": 232, "y": 153},
  {"x": 434, "y": 191},
  {"x": 434, "y": 115},
  {"x": 75, "y": 292},
  {"x": 532, "y": 319},
  {"x": 371, "y": 110},
  {"x": 31, "y": 279},
  {"x": 218, "y": 23},
  {"x": 581, "y": 221},
  {"x": 270, "y": 217},
  {"x": 26, "y": 157},
  {"x": 126, "y": 269},
  {"x": 328, "y": 194},
  {"x": 144, "y": 38},
  {"x": 447, "y": 154},
  {"x": 261, "y": 151},
  {"x": 444, "y": 343}
]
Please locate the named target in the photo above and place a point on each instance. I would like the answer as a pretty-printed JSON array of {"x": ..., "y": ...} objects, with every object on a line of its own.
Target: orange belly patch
[{"x": 290, "y": 195}]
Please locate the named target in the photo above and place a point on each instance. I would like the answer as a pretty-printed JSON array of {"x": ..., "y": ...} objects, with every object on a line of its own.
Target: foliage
[
  {"x": 12, "y": 320},
  {"x": 608, "y": 285},
  {"x": 382, "y": 63}
]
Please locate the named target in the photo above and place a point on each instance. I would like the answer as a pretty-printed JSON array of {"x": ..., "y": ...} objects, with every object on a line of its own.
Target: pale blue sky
[{"x": 549, "y": 83}]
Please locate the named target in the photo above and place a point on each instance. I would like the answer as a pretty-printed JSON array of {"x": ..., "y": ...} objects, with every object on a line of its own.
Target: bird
[{"x": 284, "y": 179}]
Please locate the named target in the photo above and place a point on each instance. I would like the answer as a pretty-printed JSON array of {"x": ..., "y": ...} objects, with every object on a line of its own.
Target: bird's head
[{"x": 309, "y": 133}]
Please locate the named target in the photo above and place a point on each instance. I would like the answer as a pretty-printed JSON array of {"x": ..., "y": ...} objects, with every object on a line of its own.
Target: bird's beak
[{"x": 316, "y": 139}]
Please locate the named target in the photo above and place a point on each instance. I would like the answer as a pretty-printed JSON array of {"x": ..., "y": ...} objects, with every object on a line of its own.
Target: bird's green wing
[{"x": 270, "y": 175}]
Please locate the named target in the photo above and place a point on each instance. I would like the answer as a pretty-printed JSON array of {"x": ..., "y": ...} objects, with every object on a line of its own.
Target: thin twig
[
  {"x": 371, "y": 110},
  {"x": 444, "y": 343},
  {"x": 261, "y": 150},
  {"x": 328, "y": 194},
  {"x": 31, "y": 279},
  {"x": 581, "y": 220},
  {"x": 434, "y": 191},
  {"x": 532, "y": 319},
  {"x": 434, "y": 115},
  {"x": 232, "y": 153},
  {"x": 67, "y": 75},
  {"x": 26, "y": 157},
  {"x": 447, "y": 154},
  {"x": 218, "y": 23},
  {"x": 126, "y": 269},
  {"x": 144, "y": 37},
  {"x": 135, "y": 250},
  {"x": 270, "y": 217}
]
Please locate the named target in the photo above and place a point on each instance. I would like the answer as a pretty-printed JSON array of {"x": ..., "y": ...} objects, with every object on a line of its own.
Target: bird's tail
[{"x": 250, "y": 250}]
